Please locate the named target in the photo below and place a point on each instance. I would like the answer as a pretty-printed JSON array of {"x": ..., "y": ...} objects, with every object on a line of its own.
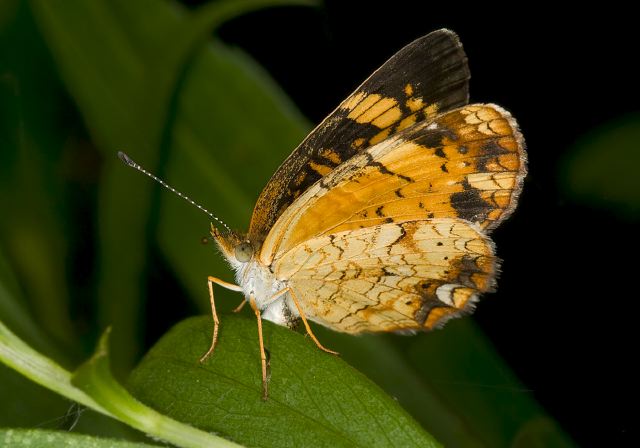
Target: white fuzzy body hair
[{"x": 258, "y": 281}]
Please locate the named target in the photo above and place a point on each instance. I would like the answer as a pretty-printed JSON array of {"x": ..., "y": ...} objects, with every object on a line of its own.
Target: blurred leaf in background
[
  {"x": 36, "y": 233},
  {"x": 122, "y": 62},
  {"x": 601, "y": 169},
  {"x": 90, "y": 243}
]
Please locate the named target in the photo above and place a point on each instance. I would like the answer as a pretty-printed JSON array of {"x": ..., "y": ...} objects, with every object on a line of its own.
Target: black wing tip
[
  {"x": 443, "y": 34},
  {"x": 445, "y": 31},
  {"x": 444, "y": 46},
  {"x": 440, "y": 44}
]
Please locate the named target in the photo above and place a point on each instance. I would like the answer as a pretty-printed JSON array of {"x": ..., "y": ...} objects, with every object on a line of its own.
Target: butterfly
[{"x": 379, "y": 220}]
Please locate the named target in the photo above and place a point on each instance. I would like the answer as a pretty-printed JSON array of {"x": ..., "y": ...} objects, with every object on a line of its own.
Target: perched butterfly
[{"x": 379, "y": 220}]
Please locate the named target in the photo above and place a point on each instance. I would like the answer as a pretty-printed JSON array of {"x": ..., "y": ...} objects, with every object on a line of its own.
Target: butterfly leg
[
  {"x": 263, "y": 357},
  {"x": 216, "y": 322},
  {"x": 239, "y": 307},
  {"x": 304, "y": 320}
]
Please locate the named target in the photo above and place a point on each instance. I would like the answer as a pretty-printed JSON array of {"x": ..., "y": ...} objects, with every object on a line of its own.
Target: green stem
[{"x": 93, "y": 386}]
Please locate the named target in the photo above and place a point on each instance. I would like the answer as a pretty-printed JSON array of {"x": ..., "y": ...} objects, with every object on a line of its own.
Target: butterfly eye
[{"x": 244, "y": 252}]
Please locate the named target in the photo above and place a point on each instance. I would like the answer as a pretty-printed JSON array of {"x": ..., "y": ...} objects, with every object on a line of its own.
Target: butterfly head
[{"x": 236, "y": 248}]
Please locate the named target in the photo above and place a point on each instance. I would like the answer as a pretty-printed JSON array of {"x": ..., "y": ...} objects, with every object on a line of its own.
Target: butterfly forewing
[
  {"x": 467, "y": 164},
  {"x": 427, "y": 77}
]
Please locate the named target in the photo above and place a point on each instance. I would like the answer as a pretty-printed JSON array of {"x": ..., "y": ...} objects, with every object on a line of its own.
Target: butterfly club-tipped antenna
[{"x": 130, "y": 162}]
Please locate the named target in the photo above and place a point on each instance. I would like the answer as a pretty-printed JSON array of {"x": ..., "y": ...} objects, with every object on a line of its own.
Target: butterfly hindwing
[
  {"x": 391, "y": 277},
  {"x": 427, "y": 77}
]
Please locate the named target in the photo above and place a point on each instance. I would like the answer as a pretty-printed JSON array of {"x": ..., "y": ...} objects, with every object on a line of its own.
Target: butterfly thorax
[
  {"x": 255, "y": 279},
  {"x": 258, "y": 281}
]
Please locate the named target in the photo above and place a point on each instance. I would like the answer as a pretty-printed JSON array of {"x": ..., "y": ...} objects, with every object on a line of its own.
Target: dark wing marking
[{"x": 427, "y": 77}]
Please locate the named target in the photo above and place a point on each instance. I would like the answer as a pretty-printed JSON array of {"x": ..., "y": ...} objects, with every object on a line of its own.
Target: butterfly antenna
[{"x": 129, "y": 161}]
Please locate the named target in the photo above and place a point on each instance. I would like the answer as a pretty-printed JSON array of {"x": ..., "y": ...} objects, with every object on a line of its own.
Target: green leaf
[
  {"x": 601, "y": 168},
  {"x": 58, "y": 439},
  {"x": 315, "y": 399}
]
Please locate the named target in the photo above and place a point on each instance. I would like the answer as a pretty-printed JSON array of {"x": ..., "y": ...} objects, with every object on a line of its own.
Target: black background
[{"x": 564, "y": 312}]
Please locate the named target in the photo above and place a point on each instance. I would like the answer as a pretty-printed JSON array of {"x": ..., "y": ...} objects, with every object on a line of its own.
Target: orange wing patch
[
  {"x": 390, "y": 277},
  {"x": 390, "y": 115},
  {"x": 468, "y": 163}
]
